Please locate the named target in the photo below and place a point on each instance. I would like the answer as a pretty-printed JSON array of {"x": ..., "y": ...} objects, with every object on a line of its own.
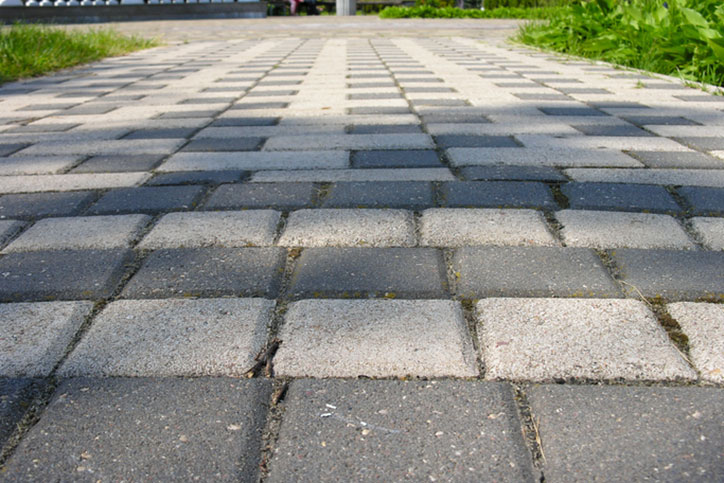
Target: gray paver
[
  {"x": 222, "y": 229},
  {"x": 396, "y": 159},
  {"x": 599, "y": 339},
  {"x": 349, "y": 228},
  {"x": 704, "y": 201},
  {"x": 620, "y": 197},
  {"x": 349, "y": 141},
  {"x": 396, "y": 430},
  {"x": 201, "y": 429},
  {"x": 382, "y": 194},
  {"x": 176, "y": 337},
  {"x": 147, "y": 199},
  {"x": 62, "y": 274},
  {"x": 654, "y": 176},
  {"x": 602, "y": 229},
  {"x": 69, "y": 182},
  {"x": 513, "y": 194},
  {"x": 703, "y": 324},
  {"x": 362, "y": 272},
  {"x": 548, "y": 156},
  {"x": 336, "y": 175},
  {"x": 208, "y": 272},
  {"x": 252, "y": 160},
  {"x": 374, "y": 338},
  {"x": 36, "y": 335},
  {"x": 261, "y": 195},
  {"x": 16, "y": 395},
  {"x": 8, "y": 228},
  {"x": 530, "y": 272},
  {"x": 119, "y": 163},
  {"x": 35, "y": 164},
  {"x": 668, "y": 273},
  {"x": 511, "y": 173},
  {"x": 604, "y": 433},
  {"x": 663, "y": 159},
  {"x": 711, "y": 230},
  {"x": 80, "y": 233}
]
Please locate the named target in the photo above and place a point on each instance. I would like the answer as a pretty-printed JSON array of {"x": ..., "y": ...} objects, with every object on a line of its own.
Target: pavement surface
[{"x": 346, "y": 249}]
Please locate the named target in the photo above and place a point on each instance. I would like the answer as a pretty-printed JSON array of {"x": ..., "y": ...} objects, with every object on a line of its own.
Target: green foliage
[
  {"x": 435, "y": 3},
  {"x": 491, "y": 4},
  {"x": 452, "y": 12},
  {"x": 686, "y": 38},
  {"x": 30, "y": 50}
]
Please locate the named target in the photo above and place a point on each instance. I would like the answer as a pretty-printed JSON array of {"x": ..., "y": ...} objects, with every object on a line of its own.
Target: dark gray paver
[
  {"x": 439, "y": 102},
  {"x": 672, "y": 274},
  {"x": 152, "y": 199},
  {"x": 382, "y": 194},
  {"x": 362, "y": 272},
  {"x": 224, "y": 144},
  {"x": 36, "y": 205},
  {"x": 617, "y": 433},
  {"x": 518, "y": 194},
  {"x": 87, "y": 109},
  {"x": 703, "y": 143},
  {"x": 63, "y": 275},
  {"x": 337, "y": 430},
  {"x": 704, "y": 200},
  {"x": 16, "y": 395},
  {"x": 374, "y": 95},
  {"x": 245, "y": 121},
  {"x": 259, "y": 105},
  {"x": 673, "y": 159},
  {"x": 463, "y": 141},
  {"x": 414, "y": 158},
  {"x": 261, "y": 195},
  {"x": 7, "y": 149},
  {"x": 617, "y": 130},
  {"x": 141, "y": 429},
  {"x": 622, "y": 197},
  {"x": 116, "y": 163},
  {"x": 190, "y": 114},
  {"x": 583, "y": 90},
  {"x": 196, "y": 177},
  {"x": 208, "y": 272},
  {"x": 386, "y": 129},
  {"x": 700, "y": 98},
  {"x": 381, "y": 110},
  {"x": 514, "y": 173},
  {"x": 529, "y": 96},
  {"x": 653, "y": 120},
  {"x": 571, "y": 111},
  {"x": 531, "y": 272},
  {"x": 171, "y": 133}
]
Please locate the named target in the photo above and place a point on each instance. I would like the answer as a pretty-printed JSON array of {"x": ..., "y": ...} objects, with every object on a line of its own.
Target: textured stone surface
[
  {"x": 350, "y": 228},
  {"x": 704, "y": 201},
  {"x": 147, "y": 199},
  {"x": 374, "y": 338},
  {"x": 396, "y": 159},
  {"x": 36, "y": 335},
  {"x": 334, "y": 175},
  {"x": 176, "y": 337},
  {"x": 201, "y": 429},
  {"x": 530, "y": 272},
  {"x": 80, "y": 233},
  {"x": 207, "y": 272},
  {"x": 221, "y": 229},
  {"x": 16, "y": 395},
  {"x": 69, "y": 182},
  {"x": 44, "y": 204},
  {"x": 251, "y": 160},
  {"x": 382, "y": 194},
  {"x": 514, "y": 194},
  {"x": 448, "y": 227},
  {"x": 549, "y": 339},
  {"x": 603, "y": 433},
  {"x": 655, "y": 176},
  {"x": 620, "y": 197},
  {"x": 261, "y": 195},
  {"x": 703, "y": 324},
  {"x": 711, "y": 231},
  {"x": 397, "y": 430}
]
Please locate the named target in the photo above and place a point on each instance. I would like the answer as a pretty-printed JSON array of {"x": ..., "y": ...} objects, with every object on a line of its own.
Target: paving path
[{"x": 373, "y": 258}]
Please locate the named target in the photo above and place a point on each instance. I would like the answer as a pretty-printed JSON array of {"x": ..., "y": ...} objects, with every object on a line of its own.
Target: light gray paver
[
  {"x": 629, "y": 143},
  {"x": 566, "y": 158},
  {"x": 80, "y": 233},
  {"x": 349, "y": 228},
  {"x": 678, "y": 177},
  {"x": 35, "y": 165},
  {"x": 36, "y": 335},
  {"x": 222, "y": 229},
  {"x": 547, "y": 339},
  {"x": 375, "y": 338},
  {"x": 703, "y": 324},
  {"x": 449, "y": 227},
  {"x": 603, "y": 230},
  {"x": 349, "y": 141},
  {"x": 172, "y": 337},
  {"x": 135, "y": 146},
  {"x": 711, "y": 230},
  {"x": 332, "y": 175},
  {"x": 252, "y": 160},
  {"x": 70, "y": 182}
]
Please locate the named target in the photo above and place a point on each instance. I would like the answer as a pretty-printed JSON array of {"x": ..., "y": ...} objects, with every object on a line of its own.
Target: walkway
[{"x": 375, "y": 257}]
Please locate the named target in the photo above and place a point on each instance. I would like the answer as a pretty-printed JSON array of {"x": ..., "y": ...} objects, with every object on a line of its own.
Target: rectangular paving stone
[
  {"x": 208, "y": 272},
  {"x": 16, "y": 396},
  {"x": 415, "y": 158},
  {"x": 605, "y": 230},
  {"x": 704, "y": 201},
  {"x": 174, "y": 337},
  {"x": 617, "y": 130},
  {"x": 7, "y": 149},
  {"x": 36, "y": 335},
  {"x": 368, "y": 432},
  {"x": 663, "y": 159},
  {"x": 539, "y": 157},
  {"x": 10, "y": 166},
  {"x": 375, "y": 110},
  {"x": 355, "y": 175},
  {"x": 700, "y": 98},
  {"x": 252, "y": 160},
  {"x": 148, "y": 199},
  {"x": 245, "y": 121},
  {"x": 385, "y": 129},
  {"x": 559, "y": 339},
  {"x": 444, "y": 227},
  {"x": 349, "y": 228},
  {"x": 220, "y": 229},
  {"x": 349, "y": 141},
  {"x": 468, "y": 141},
  {"x": 530, "y": 272},
  {"x": 571, "y": 111},
  {"x": 369, "y": 272},
  {"x": 196, "y": 177},
  {"x": 629, "y": 433},
  {"x": 619, "y": 197},
  {"x": 162, "y": 133},
  {"x": 703, "y": 325},
  {"x": 64, "y": 275},
  {"x": 675, "y": 177},
  {"x": 121, "y": 428},
  {"x": 108, "y": 146},
  {"x": 69, "y": 182},
  {"x": 383, "y": 194},
  {"x": 261, "y": 195},
  {"x": 518, "y": 194},
  {"x": 511, "y": 173},
  {"x": 375, "y": 338},
  {"x": 703, "y": 143},
  {"x": 593, "y": 143},
  {"x": 711, "y": 231},
  {"x": 663, "y": 120},
  {"x": 8, "y": 228},
  {"x": 119, "y": 163},
  {"x": 668, "y": 273},
  {"x": 224, "y": 144}
]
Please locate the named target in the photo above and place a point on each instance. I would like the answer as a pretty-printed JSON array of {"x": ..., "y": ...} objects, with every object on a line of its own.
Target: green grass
[
  {"x": 683, "y": 38},
  {"x": 427, "y": 11},
  {"x": 31, "y": 50}
]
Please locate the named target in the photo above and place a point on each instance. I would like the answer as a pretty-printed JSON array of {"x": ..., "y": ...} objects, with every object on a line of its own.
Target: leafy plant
[{"x": 426, "y": 11}]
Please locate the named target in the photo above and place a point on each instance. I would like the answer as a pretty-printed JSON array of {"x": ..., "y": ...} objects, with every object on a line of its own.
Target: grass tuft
[{"x": 32, "y": 50}]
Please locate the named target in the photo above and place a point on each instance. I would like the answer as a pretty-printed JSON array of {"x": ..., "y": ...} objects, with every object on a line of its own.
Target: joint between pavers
[
  {"x": 530, "y": 429},
  {"x": 272, "y": 427},
  {"x": 674, "y": 331},
  {"x": 468, "y": 308},
  {"x": 554, "y": 227},
  {"x": 320, "y": 193}
]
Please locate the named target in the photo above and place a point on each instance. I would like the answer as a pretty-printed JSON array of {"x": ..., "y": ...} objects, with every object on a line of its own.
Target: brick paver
[{"x": 371, "y": 184}]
